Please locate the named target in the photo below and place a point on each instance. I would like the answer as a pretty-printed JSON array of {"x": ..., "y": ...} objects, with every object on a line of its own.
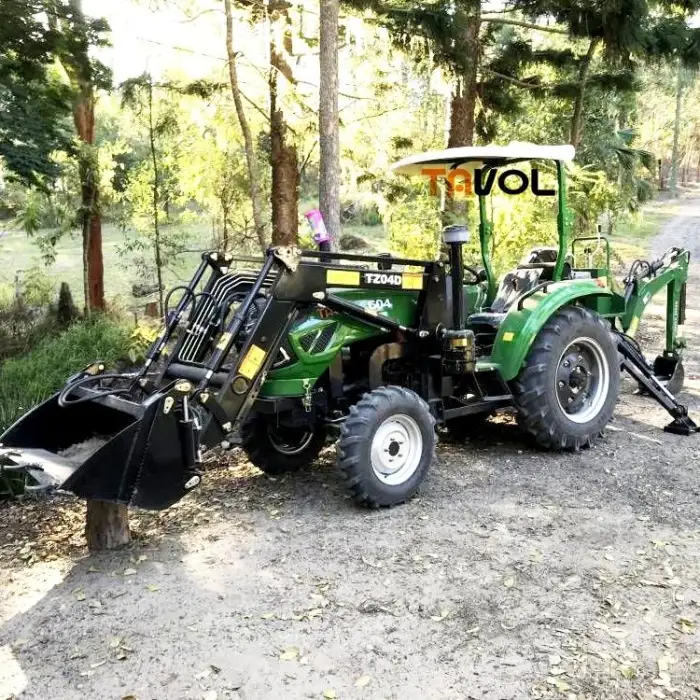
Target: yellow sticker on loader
[
  {"x": 508, "y": 336},
  {"x": 412, "y": 280},
  {"x": 346, "y": 278},
  {"x": 252, "y": 362}
]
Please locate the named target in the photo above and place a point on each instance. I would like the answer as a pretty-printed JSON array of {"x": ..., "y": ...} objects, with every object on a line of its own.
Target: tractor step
[{"x": 634, "y": 363}]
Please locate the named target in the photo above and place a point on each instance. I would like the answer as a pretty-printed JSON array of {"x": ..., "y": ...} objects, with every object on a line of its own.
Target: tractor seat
[{"x": 513, "y": 285}]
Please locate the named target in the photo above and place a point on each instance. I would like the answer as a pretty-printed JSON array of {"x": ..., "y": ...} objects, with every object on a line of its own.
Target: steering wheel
[
  {"x": 64, "y": 398},
  {"x": 479, "y": 274}
]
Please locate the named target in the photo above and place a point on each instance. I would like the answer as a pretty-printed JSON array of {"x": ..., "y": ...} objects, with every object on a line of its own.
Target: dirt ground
[{"x": 516, "y": 574}]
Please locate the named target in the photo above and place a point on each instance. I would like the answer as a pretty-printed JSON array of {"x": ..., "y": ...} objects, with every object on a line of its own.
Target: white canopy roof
[{"x": 477, "y": 156}]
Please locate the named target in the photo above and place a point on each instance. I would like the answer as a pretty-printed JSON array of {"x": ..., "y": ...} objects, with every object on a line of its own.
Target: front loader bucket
[{"x": 107, "y": 448}]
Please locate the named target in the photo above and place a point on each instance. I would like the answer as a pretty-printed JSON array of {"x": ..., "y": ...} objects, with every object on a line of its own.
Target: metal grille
[
  {"x": 324, "y": 338},
  {"x": 307, "y": 340}
]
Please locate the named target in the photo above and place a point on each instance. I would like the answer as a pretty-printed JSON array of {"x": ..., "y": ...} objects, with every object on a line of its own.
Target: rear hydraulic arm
[{"x": 646, "y": 279}]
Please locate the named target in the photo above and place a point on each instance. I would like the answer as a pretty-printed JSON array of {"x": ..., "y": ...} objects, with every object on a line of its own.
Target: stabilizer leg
[{"x": 635, "y": 364}]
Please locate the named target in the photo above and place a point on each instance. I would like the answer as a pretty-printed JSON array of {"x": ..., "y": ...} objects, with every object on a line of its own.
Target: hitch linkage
[{"x": 635, "y": 364}]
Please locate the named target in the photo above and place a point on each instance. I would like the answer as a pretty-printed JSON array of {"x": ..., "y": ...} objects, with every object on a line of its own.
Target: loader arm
[{"x": 140, "y": 436}]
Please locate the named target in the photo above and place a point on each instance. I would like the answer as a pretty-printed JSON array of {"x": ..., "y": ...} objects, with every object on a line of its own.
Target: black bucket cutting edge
[{"x": 141, "y": 458}]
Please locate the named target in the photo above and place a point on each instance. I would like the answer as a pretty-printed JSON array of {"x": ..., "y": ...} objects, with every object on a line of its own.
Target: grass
[
  {"x": 630, "y": 238},
  {"x": 27, "y": 380},
  {"x": 19, "y": 253}
]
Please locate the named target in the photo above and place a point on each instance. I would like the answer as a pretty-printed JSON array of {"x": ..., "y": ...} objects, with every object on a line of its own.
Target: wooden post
[{"x": 106, "y": 525}]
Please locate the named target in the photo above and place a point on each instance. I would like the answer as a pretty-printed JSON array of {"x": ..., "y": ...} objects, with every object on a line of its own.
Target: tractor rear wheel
[
  {"x": 277, "y": 449},
  {"x": 386, "y": 446},
  {"x": 568, "y": 387}
]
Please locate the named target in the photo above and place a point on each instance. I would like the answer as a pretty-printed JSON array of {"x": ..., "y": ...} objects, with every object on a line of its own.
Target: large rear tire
[
  {"x": 276, "y": 449},
  {"x": 386, "y": 446},
  {"x": 568, "y": 387}
]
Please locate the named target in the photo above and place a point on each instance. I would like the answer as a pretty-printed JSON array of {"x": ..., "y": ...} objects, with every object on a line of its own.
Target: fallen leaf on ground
[
  {"x": 129, "y": 572},
  {"x": 509, "y": 581},
  {"x": 627, "y": 671},
  {"x": 664, "y": 679},
  {"x": 559, "y": 684},
  {"x": 362, "y": 681},
  {"x": 373, "y": 564},
  {"x": 686, "y": 626},
  {"x": 289, "y": 654},
  {"x": 443, "y": 614},
  {"x": 329, "y": 694}
]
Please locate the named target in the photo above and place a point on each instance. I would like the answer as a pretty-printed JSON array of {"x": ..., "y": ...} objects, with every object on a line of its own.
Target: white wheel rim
[
  {"x": 396, "y": 450},
  {"x": 582, "y": 380}
]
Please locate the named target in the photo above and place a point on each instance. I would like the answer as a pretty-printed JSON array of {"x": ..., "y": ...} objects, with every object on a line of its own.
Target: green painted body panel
[
  {"x": 298, "y": 378},
  {"x": 520, "y": 327}
]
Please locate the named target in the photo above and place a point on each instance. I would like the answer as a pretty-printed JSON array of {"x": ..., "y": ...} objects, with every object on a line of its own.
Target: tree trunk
[
  {"x": 251, "y": 162},
  {"x": 576, "y": 134},
  {"x": 675, "y": 156},
  {"x": 91, "y": 222},
  {"x": 463, "y": 102},
  {"x": 106, "y": 525},
  {"x": 328, "y": 123},
  {"x": 283, "y": 151},
  {"x": 156, "y": 201},
  {"x": 285, "y": 178},
  {"x": 77, "y": 65}
]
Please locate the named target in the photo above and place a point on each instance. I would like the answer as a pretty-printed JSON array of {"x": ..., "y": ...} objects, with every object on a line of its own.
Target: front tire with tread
[
  {"x": 261, "y": 441},
  {"x": 382, "y": 407}
]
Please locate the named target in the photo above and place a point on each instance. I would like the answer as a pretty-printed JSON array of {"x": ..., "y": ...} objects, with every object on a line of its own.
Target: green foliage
[
  {"x": 35, "y": 104},
  {"x": 141, "y": 339},
  {"x": 413, "y": 223},
  {"x": 28, "y": 380}
]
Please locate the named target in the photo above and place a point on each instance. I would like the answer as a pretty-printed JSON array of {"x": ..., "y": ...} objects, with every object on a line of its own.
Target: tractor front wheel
[
  {"x": 386, "y": 446},
  {"x": 568, "y": 387},
  {"x": 277, "y": 449}
]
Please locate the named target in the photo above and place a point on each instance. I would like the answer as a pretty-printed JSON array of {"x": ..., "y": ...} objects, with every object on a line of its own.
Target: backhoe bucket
[
  {"x": 669, "y": 369},
  {"x": 107, "y": 448}
]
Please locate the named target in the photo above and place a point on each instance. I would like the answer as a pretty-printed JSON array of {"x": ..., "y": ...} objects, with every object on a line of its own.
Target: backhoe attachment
[{"x": 634, "y": 363}]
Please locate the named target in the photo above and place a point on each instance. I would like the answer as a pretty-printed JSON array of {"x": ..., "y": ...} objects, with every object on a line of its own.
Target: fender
[{"x": 520, "y": 327}]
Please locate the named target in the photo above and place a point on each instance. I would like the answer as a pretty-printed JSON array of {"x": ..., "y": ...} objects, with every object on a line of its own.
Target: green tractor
[{"x": 381, "y": 348}]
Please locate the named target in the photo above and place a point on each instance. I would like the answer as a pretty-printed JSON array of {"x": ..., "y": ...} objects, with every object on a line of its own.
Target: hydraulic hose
[{"x": 63, "y": 397}]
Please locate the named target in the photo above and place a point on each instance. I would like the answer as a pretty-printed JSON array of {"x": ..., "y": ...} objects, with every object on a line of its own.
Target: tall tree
[
  {"x": 467, "y": 21},
  {"x": 328, "y": 120},
  {"x": 283, "y": 151},
  {"x": 78, "y": 35},
  {"x": 35, "y": 106},
  {"x": 675, "y": 155},
  {"x": 106, "y": 524},
  {"x": 251, "y": 158}
]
